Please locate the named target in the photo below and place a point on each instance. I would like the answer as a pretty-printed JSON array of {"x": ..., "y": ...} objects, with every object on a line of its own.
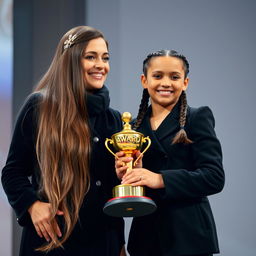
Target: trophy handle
[
  {"x": 106, "y": 144},
  {"x": 149, "y": 143}
]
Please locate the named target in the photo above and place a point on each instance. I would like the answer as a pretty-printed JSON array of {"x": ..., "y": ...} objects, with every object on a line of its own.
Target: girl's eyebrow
[
  {"x": 157, "y": 71},
  {"x": 160, "y": 71}
]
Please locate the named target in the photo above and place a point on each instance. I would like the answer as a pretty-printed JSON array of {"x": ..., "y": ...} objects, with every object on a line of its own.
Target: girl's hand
[
  {"x": 122, "y": 160},
  {"x": 139, "y": 156},
  {"x": 120, "y": 164},
  {"x": 40, "y": 213},
  {"x": 143, "y": 177}
]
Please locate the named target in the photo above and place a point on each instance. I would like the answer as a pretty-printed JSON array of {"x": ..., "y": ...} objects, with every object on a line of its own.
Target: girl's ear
[
  {"x": 143, "y": 80},
  {"x": 185, "y": 85}
]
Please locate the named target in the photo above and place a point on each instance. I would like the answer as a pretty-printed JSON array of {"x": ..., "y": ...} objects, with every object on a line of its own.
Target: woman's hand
[
  {"x": 122, "y": 160},
  {"x": 143, "y": 177},
  {"x": 40, "y": 213}
]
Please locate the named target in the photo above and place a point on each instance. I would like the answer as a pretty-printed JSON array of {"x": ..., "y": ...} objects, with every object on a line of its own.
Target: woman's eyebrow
[{"x": 93, "y": 52}]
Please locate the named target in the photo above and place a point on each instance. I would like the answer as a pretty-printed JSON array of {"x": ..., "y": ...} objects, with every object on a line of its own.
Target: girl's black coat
[
  {"x": 96, "y": 233},
  {"x": 183, "y": 223}
]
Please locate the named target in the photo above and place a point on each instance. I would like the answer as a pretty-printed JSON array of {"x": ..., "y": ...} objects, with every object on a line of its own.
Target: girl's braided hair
[{"x": 181, "y": 136}]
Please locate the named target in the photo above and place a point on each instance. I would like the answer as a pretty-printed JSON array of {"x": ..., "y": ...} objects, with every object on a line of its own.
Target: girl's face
[
  {"x": 95, "y": 64},
  {"x": 165, "y": 81}
]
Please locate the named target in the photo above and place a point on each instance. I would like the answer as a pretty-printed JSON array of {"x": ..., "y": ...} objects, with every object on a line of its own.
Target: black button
[{"x": 96, "y": 139}]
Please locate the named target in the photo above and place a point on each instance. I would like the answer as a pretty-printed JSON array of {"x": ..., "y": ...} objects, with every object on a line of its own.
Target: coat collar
[{"x": 98, "y": 101}]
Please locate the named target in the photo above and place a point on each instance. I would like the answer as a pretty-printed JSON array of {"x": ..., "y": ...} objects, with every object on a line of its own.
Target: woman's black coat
[
  {"x": 183, "y": 223},
  {"x": 95, "y": 233}
]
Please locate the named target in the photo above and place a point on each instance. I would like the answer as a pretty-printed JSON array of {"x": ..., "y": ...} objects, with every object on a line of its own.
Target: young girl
[
  {"x": 181, "y": 168},
  {"x": 58, "y": 141}
]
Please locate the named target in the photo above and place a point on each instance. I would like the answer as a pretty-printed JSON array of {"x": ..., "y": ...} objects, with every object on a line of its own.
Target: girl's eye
[
  {"x": 175, "y": 77},
  {"x": 157, "y": 76}
]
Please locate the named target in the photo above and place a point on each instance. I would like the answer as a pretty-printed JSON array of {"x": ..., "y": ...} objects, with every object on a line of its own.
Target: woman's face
[
  {"x": 95, "y": 64},
  {"x": 165, "y": 81}
]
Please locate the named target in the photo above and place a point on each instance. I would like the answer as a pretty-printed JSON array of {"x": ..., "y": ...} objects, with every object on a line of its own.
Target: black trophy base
[{"x": 129, "y": 206}]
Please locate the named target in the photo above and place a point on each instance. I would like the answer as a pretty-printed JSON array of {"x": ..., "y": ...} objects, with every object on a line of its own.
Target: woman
[
  {"x": 58, "y": 141},
  {"x": 181, "y": 168}
]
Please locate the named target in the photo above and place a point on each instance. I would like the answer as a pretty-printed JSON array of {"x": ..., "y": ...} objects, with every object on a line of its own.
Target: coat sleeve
[
  {"x": 114, "y": 125},
  {"x": 207, "y": 175},
  {"x": 19, "y": 164}
]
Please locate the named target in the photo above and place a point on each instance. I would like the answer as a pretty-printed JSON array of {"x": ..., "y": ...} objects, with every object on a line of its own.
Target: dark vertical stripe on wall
[
  {"x": 37, "y": 28},
  {"x": 22, "y": 51}
]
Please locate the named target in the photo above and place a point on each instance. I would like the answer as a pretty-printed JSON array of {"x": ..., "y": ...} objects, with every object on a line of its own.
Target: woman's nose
[{"x": 99, "y": 63}]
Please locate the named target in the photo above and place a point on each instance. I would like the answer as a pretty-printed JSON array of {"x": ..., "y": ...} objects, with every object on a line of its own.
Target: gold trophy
[{"x": 128, "y": 200}]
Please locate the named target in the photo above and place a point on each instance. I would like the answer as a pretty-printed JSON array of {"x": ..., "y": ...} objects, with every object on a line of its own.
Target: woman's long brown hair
[{"x": 63, "y": 138}]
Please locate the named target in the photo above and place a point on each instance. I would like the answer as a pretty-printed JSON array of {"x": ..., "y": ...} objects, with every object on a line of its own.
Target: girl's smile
[{"x": 164, "y": 92}]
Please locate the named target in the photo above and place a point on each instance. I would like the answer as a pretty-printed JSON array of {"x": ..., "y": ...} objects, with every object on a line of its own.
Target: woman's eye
[
  {"x": 105, "y": 59},
  {"x": 89, "y": 57}
]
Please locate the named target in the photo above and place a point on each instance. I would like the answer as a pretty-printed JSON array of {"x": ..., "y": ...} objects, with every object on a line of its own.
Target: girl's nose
[{"x": 165, "y": 82}]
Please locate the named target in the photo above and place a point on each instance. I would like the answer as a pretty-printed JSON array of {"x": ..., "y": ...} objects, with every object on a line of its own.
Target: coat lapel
[
  {"x": 155, "y": 144},
  {"x": 168, "y": 128},
  {"x": 170, "y": 125}
]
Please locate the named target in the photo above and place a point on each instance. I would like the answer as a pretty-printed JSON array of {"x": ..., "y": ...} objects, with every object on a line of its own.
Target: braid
[
  {"x": 181, "y": 135},
  {"x": 142, "y": 110}
]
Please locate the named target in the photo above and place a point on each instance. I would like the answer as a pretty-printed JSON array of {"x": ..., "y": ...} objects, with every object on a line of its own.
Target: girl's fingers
[
  {"x": 119, "y": 163},
  {"x": 132, "y": 173},
  {"x": 120, "y": 154},
  {"x": 125, "y": 159},
  {"x": 132, "y": 179},
  {"x": 122, "y": 169}
]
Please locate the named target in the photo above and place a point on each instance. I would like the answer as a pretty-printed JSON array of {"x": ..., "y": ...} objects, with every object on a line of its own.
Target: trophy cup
[{"x": 128, "y": 200}]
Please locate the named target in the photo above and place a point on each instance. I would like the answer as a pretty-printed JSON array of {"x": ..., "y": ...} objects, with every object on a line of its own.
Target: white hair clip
[{"x": 70, "y": 41}]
